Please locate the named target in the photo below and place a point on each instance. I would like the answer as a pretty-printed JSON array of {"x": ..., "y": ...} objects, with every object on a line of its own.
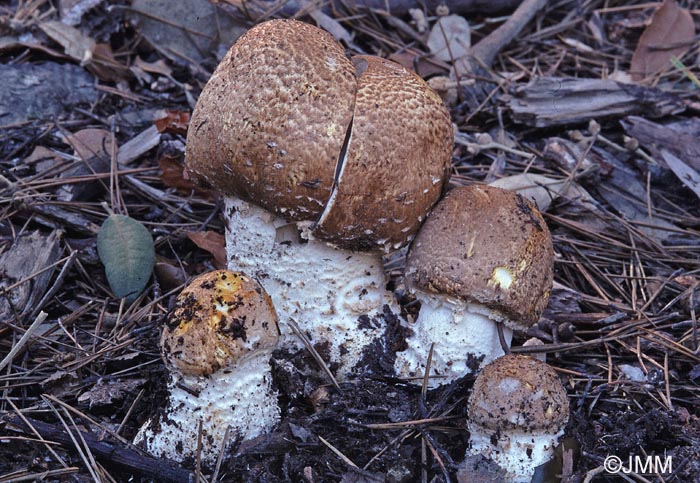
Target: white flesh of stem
[
  {"x": 461, "y": 333},
  {"x": 327, "y": 291},
  {"x": 240, "y": 397}
]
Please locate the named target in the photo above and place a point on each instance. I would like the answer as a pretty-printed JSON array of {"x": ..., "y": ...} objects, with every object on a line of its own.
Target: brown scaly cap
[
  {"x": 219, "y": 318},
  {"x": 398, "y": 159},
  {"x": 488, "y": 246},
  {"x": 270, "y": 123},
  {"x": 518, "y": 392}
]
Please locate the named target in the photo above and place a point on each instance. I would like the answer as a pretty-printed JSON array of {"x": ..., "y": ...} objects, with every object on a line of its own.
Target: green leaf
[{"x": 126, "y": 250}]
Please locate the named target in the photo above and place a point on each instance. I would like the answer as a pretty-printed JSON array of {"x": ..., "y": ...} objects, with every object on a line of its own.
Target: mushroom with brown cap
[
  {"x": 517, "y": 412},
  {"x": 483, "y": 257},
  {"x": 216, "y": 344},
  {"x": 324, "y": 164}
]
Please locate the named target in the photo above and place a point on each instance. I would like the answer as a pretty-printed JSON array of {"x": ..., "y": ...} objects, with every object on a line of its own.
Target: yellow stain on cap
[
  {"x": 501, "y": 277},
  {"x": 227, "y": 287}
]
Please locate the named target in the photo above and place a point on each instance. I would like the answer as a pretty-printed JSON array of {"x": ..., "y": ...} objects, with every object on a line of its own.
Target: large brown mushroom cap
[
  {"x": 218, "y": 319},
  {"x": 270, "y": 123},
  {"x": 488, "y": 246},
  {"x": 398, "y": 159},
  {"x": 518, "y": 392}
]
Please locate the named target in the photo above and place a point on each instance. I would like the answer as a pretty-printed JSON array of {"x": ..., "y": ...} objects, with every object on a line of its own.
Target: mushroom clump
[
  {"x": 216, "y": 344},
  {"x": 516, "y": 414},
  {"x": 325, "y": 162},
  {"x": 483, "y": 257}
]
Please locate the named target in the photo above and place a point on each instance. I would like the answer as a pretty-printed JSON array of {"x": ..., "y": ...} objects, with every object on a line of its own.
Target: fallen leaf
[
  {"x": 90, "y": 142},
  {"x": 173, "y": 176},
  {"x": 542, "y": 190},
  {"x": 97, "y": 58},
  {"x": 450, "y": 38},
  {"x": 212, "y": 242},
  {"x": 191, "y": 31},
  {"x": 9, "y": 44},
  {"x": 670, "y": 34},
  {"x": 103, "y": 64},
  {"x": 74, "y": 43},
  {"x": 157, "y": 67},
  {"x": 419, "y": 63},
  {"x": 331, "y": 25},
  {"x": 94, "y": 148},
  {"x": 43, "y": 157},
  {"x": 126, "y": 250},
  {"x": 169, "y": 273},
  {"x": 143, "y": 70},
  {"x": 175, "y": 122}
]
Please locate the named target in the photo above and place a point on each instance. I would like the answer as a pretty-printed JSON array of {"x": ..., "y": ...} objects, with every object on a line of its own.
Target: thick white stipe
[
  {"x": 240, "y": 397},
  {"x": 336, "y": 296},
  {"x": 461, "y": 332}
]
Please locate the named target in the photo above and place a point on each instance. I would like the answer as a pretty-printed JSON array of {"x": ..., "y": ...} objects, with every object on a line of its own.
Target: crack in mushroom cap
[
  {"x": 270, "y": 123},
  {"x": 488, "y": 246},
  {"x": 518, "y": 392},
  {"x": 398, "y": 158},
  {"x": 218, "y": 319}
]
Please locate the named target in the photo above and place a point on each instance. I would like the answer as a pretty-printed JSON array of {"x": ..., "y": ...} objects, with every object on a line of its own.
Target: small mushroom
[
  {"x": 516, "y": 414},
  {"x": 216, "y": 343},
  {"x": 324, "y": 164},
  {"x": 483, "y": 257}
]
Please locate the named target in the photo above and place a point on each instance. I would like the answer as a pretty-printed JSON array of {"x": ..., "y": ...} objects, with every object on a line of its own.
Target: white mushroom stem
[
  {"x": 335, "y": 296},
  {"x": 463, "y": 333},
  {"x": 240, "y": 397},
  {"x": 519, "y": 453}
]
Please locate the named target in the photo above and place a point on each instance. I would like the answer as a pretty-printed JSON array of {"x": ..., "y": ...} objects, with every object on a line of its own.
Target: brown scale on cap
[
  {"x": 488, "y": 246},
  {"x": 398, "y": 159},
  {"x": 270, "y": 123},
  {"x": 518, "y": 392},
  {"x": 218, "y": 319}
]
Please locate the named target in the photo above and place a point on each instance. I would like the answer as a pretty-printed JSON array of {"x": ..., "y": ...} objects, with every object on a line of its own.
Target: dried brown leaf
[
  {"x": 43, "y": 157},
  {"x": 157, "y": 67},
  {"x": 669, "y": 34},
  {"x": 330, "y": 25},
  {"x": 97, "y": 58},
  {"x": 74, "y": 43},
  {"x": 418, "y": 63},
  {"x": 9, "y": 44},
  {"x": 91, "y": 142},
  {"x": 450, "y": 38},
  {"x": 211, "y": 242},
  {"x": 173, "y": 176},
  {"x": 542, "y": 190},
  {"x": 169, "y": 273},
  {"x": 103, "y": 64},
  {"x": 175, "y": 122},
  {"x": 191, "y": 31},
  {"x": 94, "y": 147}
]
